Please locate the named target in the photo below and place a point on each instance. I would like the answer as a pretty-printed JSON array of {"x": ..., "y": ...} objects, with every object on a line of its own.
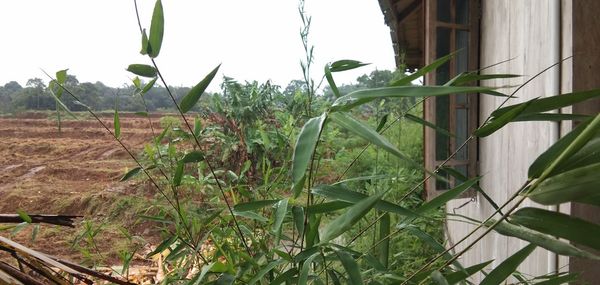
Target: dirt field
[{"x": 73, "y": 172}]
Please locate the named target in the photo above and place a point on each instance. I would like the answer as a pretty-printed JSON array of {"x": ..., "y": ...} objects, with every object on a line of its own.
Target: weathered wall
[{"x": 528, "y": 33}]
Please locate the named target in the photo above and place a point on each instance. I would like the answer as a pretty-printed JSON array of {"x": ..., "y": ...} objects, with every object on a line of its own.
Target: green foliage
[{"x": 222, "y": 186}]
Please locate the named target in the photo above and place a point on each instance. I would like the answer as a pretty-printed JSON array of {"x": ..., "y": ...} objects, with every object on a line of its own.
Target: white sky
[{"x": 254, "y": 40}]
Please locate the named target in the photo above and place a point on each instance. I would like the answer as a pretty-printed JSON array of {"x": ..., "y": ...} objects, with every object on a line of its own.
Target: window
[{"x": 450, "y": 26}]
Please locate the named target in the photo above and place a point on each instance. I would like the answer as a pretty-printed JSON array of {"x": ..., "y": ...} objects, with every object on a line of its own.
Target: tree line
[{"x": 36, "y": 95}]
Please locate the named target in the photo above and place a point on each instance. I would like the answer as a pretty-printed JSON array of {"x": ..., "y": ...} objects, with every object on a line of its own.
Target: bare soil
[{"x": 73, "y": 172}]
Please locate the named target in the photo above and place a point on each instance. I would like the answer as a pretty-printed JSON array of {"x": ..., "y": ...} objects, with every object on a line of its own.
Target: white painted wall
[{"x": 528, "y": 32}]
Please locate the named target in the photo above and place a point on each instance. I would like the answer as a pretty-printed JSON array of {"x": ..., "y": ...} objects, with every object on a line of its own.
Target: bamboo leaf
[
  {"x": 438, "y": 278},
  {"x": 458, "y": 276},
  {"x": 144, "y": 50},
  {"x": 577, "y": 185},
  {"x": 254, "y": 205},
  {"x": 287, "y": 277},
  {"x": 142, "y": 70},
  {"x": 433, "y": 244},
  {"x": 117, "y": 121},
  {"x": 24, "y": 216},
  {"x": 178, "y": 174},
  {"x": 384, "y": 247},
  {"x": 194, "y": 156},
  {"x": 149, "y": 85},
  {"x": 280, "y": 215},
  {"x": 558, "y": 280},
  {"x": 498, "y": 122},
  {"x": 508, "y": 266},
  {"x": 428, "y": 124},
  {"x": 61, "y": 104},
  {"x": 305, "y": 147},
  {"x": 134, "y": 171},
  {"x": 551, "y": 103},
  {"x": 346, "y": 64},
  {"x": 362, "y": 130},
  {"x": 559, "y": 225},
  {"x": 327, "y": 207},
  {"x": 303, "y": 277},
  {"x": 360, "y": 97},
  {"x": 382, "y": 122},
  {"x": 422, "y": 71},
  {"x": 345, "y": 221},
  {"x": 447, "y": 196},
  {"x": 264, "y": 270},
  {"x": 540, "y": 239},
  {"x": 338, "y": 192},
  {"x": 351, "y": 267},
  {"x": 157, "y": 29},
  {"x": 471, "y": 77},
  {"x": 190, "y": 100},
  {"x": 553, "y": 117},
  {"x": 331, "y": 82}
]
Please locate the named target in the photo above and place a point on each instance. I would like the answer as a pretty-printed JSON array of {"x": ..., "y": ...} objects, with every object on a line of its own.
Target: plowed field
[{"x": 74, "y": 172}]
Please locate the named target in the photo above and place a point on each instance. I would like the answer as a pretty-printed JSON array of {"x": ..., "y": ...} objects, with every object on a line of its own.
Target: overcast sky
[{"x": 254, "y": 40}]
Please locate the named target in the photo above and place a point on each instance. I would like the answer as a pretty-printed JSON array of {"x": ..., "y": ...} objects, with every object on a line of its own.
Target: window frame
[{"x": 472, "y": 106}]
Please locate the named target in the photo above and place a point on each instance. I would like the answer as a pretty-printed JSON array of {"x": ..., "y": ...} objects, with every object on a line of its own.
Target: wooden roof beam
[{"x": 411, "y": 8}]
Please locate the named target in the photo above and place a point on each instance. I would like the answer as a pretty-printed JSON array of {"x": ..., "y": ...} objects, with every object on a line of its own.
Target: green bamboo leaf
[
  {"x": 558, "y": 280},
  {"x": 117, "y": 121},
  {"x": 305, "y": 147},
  {"x": 149, "y": 86},
  {"x": 346, "y": 64},
  {"x": 553, "y": 117},
  {"x": 422, "y": 71},
  {"x": 327, "y": 207},
  {"x": 145, "y": 45},
  {"x": 250, "y": 215},
  {"x": 163, "y": 245},
  {"x": 339, "y": 192},
  {"x": 194, "y": 156},
  {"x": 438, "y": 278},
  {"x": 428, "y": 124},
  {"x": 360, "y": 97},
  {"x": 134, "y": 171},
  {"x": 264, "y": 270},
  {"x": 447, "y": 196},
  {"x": 61, "y": 104},
  {"x": 24, "y": 216},
  {"x": 362, "y": 130},
  {"x": 544, "y": 160},
  {"x": 473, "y": 77},
  {"x": 142, "y": 70},
  {"x": 197, "y": 126},
  {"x": 286, "y": 277},
  {"x": 498, "y": 122},
  {"x": 461, "y": 178},
  {"x": 385, "y": 225},
  {"x": 298, "y": 215},
  {"x": 61, "y": 76},
  {"x": 559, "y": 225},
  {"x": 345, "y": 221},
  {"x": 508, "y": 266},
  {"x": 312, "y": 233},
  {"x": 433, "y": 244},
  {"x": 458, "y": 276},
  {"x": 577, "y": 185},
  {"x": 352, "y": 270},
  {"x": 157, "y": 29},
  {"x": 334, "y": 278},
  {"x": 303, "y": 277},
  {"x": 254, "y": 205},
  {"x": 178, "y": 174},
  {"x": 551, "y": 103},
  {"x": 331, "y": 82},
  {"x": 188, "y": 102},
  {"x": 540, "y": 239},
  {"x": 280, "y": 215},
  {"x": 382, "y": 122}
]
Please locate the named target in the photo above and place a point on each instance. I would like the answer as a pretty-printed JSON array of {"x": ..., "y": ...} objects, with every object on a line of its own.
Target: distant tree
[{"x": 38, "y": 88}]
